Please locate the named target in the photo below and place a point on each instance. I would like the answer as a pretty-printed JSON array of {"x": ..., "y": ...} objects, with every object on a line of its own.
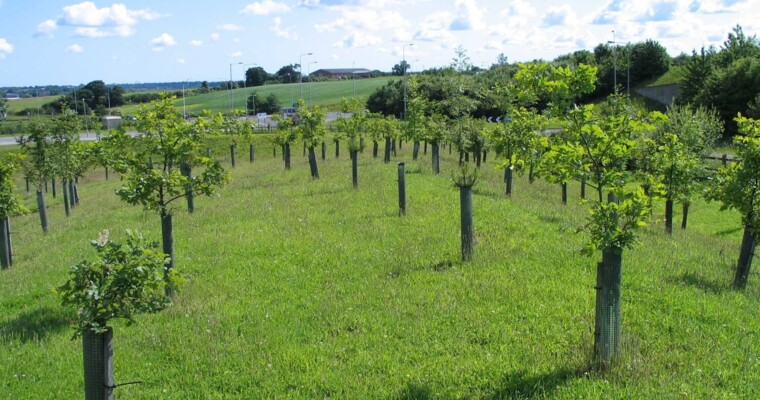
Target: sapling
[
  {"x": 737, "y": 186},
  {"x": 38, "y": 164},
  {"x": 465, "y": 178},
  {"x": 353, "y": 128},
  {"x": 123, "y": 281},
  {"x": 10, "y": 205},
  {"x": 311, "y": 129}
]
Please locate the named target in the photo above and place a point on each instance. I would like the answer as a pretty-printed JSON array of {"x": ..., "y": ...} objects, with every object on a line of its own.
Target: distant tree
[
  {"x": 288, "y": 73},
  {"x": 696, "y": 69},
  {"x": 401, "y": 68},
  {"x": 501, "y": 59},
  {"x": 730, "y": 90},
  {"x": 387, "y": 99},
  {"x": 648, "y": 60},
  {"x": 255, "y": 76},
  {"x": 461, "y": 62},
  {"x": 737, "y": 46}
]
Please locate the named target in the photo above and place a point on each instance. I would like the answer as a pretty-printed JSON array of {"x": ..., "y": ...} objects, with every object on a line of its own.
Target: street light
[
  {"x": 245, "y": 86},
  {"x": 229, "y": 92},
  {"x": 403, "y": 72},
  {"x": 627, "y": 61},
  {"x": 308, "y": 72},
  {"x": 300, "y": 72}
]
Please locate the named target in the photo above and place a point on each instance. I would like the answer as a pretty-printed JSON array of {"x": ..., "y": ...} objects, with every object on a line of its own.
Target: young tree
[
  {"x": 285, "y": 136},
  {"x": 672, "y": 155},
  {"x": 737, "y": 186},
  {"x": 438, "y": 129},
  {"x": 311, "y": 128},
  {"x": 597, "y": 148},
  {"x": 10, "y": 205},
  {"x": 63, "y": 140},
  {"x": 353, "y": 128},
  {"x": 171, "y": 140},
  {"x": 38, "y": 164}
]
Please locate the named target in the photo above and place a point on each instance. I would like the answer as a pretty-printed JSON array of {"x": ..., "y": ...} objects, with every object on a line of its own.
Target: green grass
[
  {"x": 673, "y": 75},
  {"x": 327, "y": 94},
  {"x": 308, "y": 289}
]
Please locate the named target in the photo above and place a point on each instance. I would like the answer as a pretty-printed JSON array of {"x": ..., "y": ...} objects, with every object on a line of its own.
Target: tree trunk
[
  {"x": 354, "y": 168},
  {"x": 337, "y": 149},
  {"x": 5, "y": 245},
  {"x": 564, "y": 192},
  {"x": 286, "y": 155},
  {"x": 42, "y": 211},
  {"x": 436, "y": 150},
  {"x": 461, "y": 157},
  {"x": 232, "y": 155},
  {"x": 684, "y": 214},
  {"x": 387, "y": 155},
  {"x": 97, "y": 351},
  {"x": 106, "y": 168},
  {"x": 324, "y": 151},
  {"x": 583, "y": 188},
  {"x": 167, "y": 242},
  {"x": 313, "y": 163},
  {"x": 250, "y": 153},
  {"x": 187, "y": 171},
  {"x": 467, "y": 156},
  {"x": 531, "y": 171},
  {"x": 26, "y": 179},
  {"x": 274, "y": 151},
  {"x": 401, "y": 188},
  {"x": 424, "y": 148},
  {"x": 508, "y": 180},
  {"x": 393, "y": 147},
  {"x": 749, "y": 242},
  {"x": 304, "y": 149},
  {"x": 669, "y": 216},
  {"x": 66, "y": 204},
  {"x": 52, "y": 185},
  {"x": 73, "y": 193},
  {"x": 608, "y": 321},
  {"x": 415, "y": 149},
  {"x": 375, "y": 146},
  {"x": 476, "y": 154},
  {"x": 468, "y": 232}
]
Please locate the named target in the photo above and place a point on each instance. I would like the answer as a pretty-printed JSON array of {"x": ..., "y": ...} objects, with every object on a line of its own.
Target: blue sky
[{"x": 45, "y": 42}]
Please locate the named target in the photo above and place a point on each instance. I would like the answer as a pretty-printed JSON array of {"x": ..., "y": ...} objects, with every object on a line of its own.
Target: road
[{"x": 85, "y": 137}]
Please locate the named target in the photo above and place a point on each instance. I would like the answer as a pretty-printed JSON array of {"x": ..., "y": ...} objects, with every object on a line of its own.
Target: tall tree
[
  {"x": 255, "y": 76},
  {"x": 169, "y": 141}
]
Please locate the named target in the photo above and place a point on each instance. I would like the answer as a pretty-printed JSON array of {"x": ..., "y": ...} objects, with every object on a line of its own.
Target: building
[{"x": 342, "y": 73}]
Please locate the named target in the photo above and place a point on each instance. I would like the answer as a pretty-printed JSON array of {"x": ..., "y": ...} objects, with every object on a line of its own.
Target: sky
[{"x": 54, "y": 42}]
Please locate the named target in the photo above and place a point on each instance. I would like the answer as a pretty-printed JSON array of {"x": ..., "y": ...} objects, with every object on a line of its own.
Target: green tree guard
[
  {"x": 250, "y": 153},
  {"x": 401, "y": 188},
  {"x": 42, "y": 210},
  {"x": 232, "y": 155},
  {"x": 66, "y": 204}
]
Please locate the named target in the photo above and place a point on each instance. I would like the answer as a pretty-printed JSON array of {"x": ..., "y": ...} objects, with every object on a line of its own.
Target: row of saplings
[{"x": 594, "y": 147}]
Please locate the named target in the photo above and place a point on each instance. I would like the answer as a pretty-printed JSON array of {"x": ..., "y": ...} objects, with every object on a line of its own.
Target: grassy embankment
[{"x": 309, "y": 289}]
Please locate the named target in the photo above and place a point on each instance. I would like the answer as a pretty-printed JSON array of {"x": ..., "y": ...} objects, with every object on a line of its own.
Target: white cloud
[
  {"x": 558, "y": 16},
  {"x": 180, "y": 61},
  {"x": 229, "y": 27},
  {"x": 236, "y": 54},
  {"x": 196, "y": 43},
  {"x": 90, "y": 32},
  {"x": 214, "y": 36},
  {"x": 161, "y": 42},
  {"x": 435, "y": 27},
  {"x": 277, "y": 29},
  {"x": 91, "y": 21},
  {"x": 46, "y": 28},
  {"x": 5, "y": 48},
  {"x": 74, "y": 48},
  {"x": 358, "y": 40},
  {"x": 265, "y": 7},
  {"x": 469, "y": 16}
]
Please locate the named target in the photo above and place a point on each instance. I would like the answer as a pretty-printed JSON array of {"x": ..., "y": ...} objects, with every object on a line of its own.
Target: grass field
[{"x": 310, "y": 289}]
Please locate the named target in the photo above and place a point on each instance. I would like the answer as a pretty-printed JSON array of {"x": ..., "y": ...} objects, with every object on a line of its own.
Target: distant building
[
  {"x": 111, "y": 122},
  {"x": 11, "y": 96},
  {"x": 342, "y": 73}
]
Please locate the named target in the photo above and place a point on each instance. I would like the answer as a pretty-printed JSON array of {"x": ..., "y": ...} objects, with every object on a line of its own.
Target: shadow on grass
[
  {"x": 521, "y": 385},
  {"x": 36, "y": 324},
  {"x": 727, "y": 232},
  {"x": 414, "y": 391},
  {"x": 699, "y": 282}
]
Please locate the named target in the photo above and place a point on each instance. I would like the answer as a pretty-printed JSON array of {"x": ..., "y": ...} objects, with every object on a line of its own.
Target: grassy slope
[
  {"x": 327, "y": 94},
  {"x": 308, "y": 289}
]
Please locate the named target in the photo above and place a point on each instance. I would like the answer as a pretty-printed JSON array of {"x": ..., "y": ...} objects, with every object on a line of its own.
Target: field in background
[{"x": 310, "y": 289}]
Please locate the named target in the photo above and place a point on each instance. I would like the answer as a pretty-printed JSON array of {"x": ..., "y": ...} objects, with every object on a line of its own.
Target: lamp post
[
  {"x": 245, "y": 86},
  {"x": 308, "y": 72},
  {"x": 627, "y": 61},
  {"x": 300, "y": 71},
  {"x": 403, "y": 73},
  {"x": 229, "y": 92}
]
